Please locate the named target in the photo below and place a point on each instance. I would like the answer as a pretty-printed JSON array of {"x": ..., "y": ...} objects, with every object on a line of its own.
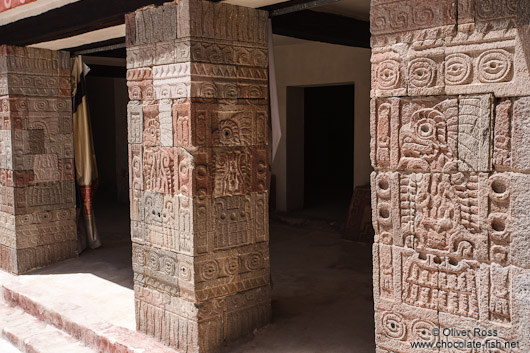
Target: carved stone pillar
[
  {"x": 199, "y": 163},
  {"x": 450, "y": 125},
  {"x": 37, "y": 198}
]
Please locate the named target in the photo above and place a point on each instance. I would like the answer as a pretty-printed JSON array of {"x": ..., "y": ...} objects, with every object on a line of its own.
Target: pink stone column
[
  {"x": 199, "y": 164},
  {"x": 37, "y": 197},
  {"x": 450, "y": 145}
]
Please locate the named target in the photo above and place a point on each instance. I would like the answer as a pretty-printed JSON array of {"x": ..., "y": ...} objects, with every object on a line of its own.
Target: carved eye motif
[
  {"x": 393, "y": 325},
  {"x": 388, "y": 74},
  {"x": 229, "y": 132},
  {"x": 458, "y": 69},
  {"x": 425, "y": 128},
  {"x": 422, "y": 72},
  {"x": 495, "y": 66}
]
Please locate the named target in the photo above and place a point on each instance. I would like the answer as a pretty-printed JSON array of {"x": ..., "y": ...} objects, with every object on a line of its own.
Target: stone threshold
[{"x": 97, "y": 315}]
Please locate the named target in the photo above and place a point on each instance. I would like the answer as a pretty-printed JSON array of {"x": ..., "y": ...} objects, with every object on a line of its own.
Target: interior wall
[
  {"x": 107, "y": 100},
  {"x": 305, "y": 63}
]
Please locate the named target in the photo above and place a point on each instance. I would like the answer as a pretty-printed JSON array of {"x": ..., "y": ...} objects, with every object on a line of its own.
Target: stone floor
[{"x": 322, "y": 288}]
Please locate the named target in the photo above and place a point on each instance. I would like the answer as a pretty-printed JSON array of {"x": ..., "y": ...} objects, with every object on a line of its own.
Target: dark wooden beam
[
  {"x": 323, "y": 27},
  {"x": 69, "y": 20}
]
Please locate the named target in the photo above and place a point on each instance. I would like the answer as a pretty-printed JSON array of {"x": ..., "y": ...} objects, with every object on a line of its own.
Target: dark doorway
[{"x": 328, "y": 149}]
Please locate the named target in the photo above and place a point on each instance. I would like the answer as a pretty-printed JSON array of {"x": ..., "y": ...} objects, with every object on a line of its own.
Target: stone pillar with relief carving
[
  {"x": 450, "y": 125},
  {"x": 37, "y": 197},
  {"x": 199, "y": 164}
]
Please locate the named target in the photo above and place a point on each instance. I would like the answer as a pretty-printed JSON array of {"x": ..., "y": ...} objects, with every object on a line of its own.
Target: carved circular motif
[
  {"x": 487, "y": 8},
  {"x": 394, "y": 326},
  {"x": 139, "y": 257},
  {"x": 231, "y": 265},
  {"x": 210, "y": 270},
  {"x": 426, "y": 128},
  {"x": 254, "y": 261},
  {"x": 169, "y": 266},
  {"x": 383, "y": 212},
  {"x": 154, "y": 261},
  {"x": 499, "y": 189},
  {"x": 497, "y": 226},
  {"x": 184, "y": 271},
  {"x": 458, "y": 69},
  {"x": 422, "y": 72},
  {"x": 494, "y": 66},
  {"x": 388, "y": 74}
]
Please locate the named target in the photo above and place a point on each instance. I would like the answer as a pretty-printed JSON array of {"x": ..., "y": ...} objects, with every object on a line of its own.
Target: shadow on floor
[{"x": 322, "y": 285}]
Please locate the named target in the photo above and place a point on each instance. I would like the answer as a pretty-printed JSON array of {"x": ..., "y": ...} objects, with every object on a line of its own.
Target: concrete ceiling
[{"x": 359, "y": 9}]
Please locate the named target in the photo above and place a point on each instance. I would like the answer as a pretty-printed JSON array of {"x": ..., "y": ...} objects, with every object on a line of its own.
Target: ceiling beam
[
  {"x": 323, "y": 27},
  {"x": 70, "y": 20}
]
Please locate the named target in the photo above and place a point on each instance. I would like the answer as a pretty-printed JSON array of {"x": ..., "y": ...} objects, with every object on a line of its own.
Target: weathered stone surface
[{"x": 199, "y": 164}]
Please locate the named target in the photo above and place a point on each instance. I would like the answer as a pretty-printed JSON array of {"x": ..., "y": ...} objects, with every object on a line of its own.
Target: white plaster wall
[{"x": 307, "y": 63}]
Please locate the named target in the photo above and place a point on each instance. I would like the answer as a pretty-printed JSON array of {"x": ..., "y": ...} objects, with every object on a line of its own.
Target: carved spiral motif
[
  {"x": 494, "y": 66},
  {"x": 423, "y": 16},
  {"x": 388, "y": 74},
  {"x": 139, "y": 257},
  {"x": 422, "y": 72},
  {"x": 458, "y": 69},
  {"x": 60, "y": 105},
  {"x": 393, "y": 325},
  {"x": 41, "y": 105},
  {"x": 21, "y": 105},
  {"x": 399, "y": 20}
]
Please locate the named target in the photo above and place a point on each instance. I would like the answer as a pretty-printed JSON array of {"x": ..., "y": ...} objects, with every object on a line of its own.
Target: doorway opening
[
  {"x": 328, "y": 150},
  {"x": 320, "y": 151},
  {"x": 107, "y": 99}
]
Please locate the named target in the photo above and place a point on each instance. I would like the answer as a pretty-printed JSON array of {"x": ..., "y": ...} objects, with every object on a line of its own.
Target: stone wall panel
[{"x": 449, "y": 137}]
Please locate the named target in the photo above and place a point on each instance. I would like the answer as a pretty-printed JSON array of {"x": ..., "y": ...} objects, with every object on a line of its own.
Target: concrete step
[
  {"x": 31, "y": 335},
  {"x": 85, "y": 322}
]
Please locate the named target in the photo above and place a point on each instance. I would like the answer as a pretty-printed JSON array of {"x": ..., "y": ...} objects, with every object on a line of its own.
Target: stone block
[
  {"x": 475, "y": 117},
  {"x": 135, "y": 122},
  {"x": 521, "y": 135},
  {"x": 520, "y": 206}
]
